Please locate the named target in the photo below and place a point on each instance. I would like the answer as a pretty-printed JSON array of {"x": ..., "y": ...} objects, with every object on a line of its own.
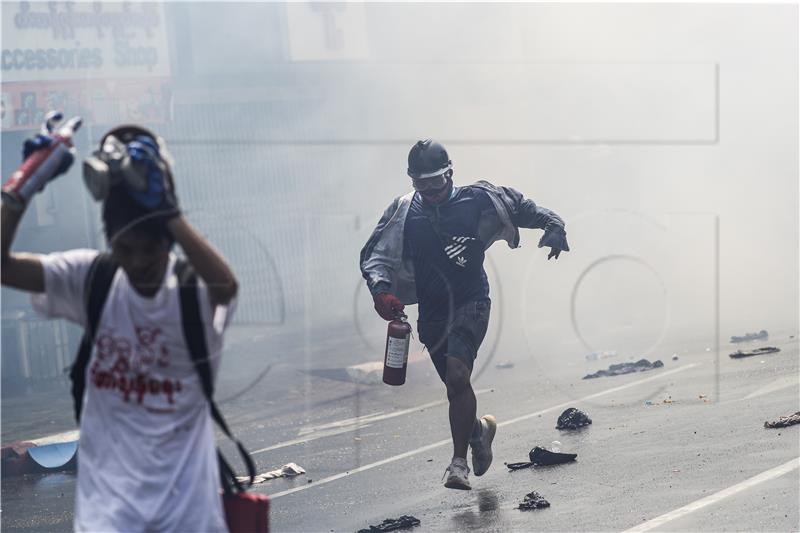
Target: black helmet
[{"x": 428, "y": 158}]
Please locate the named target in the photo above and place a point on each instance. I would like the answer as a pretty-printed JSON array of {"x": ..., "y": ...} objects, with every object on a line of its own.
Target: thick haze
[{"x": 666, "y": 136}]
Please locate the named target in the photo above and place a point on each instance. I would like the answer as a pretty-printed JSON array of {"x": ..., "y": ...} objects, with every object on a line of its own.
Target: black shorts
[{"x": 460, "y": 337}]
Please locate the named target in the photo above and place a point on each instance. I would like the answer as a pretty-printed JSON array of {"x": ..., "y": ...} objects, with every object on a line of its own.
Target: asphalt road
[{"x": 373, "y": 452}]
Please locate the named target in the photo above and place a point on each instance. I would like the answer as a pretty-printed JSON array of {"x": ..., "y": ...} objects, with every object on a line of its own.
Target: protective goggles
[{"x": 431, "y": 183}]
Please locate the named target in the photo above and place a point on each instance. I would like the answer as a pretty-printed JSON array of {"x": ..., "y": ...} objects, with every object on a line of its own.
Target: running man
[{"x": 428, "y": 248}]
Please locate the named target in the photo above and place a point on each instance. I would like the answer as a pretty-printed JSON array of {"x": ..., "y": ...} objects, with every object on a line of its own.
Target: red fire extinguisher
[{"x": 395, "y": 361}]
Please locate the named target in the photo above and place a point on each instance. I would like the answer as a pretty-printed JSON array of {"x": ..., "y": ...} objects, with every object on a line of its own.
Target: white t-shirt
[{"x": 146, "y": 456}]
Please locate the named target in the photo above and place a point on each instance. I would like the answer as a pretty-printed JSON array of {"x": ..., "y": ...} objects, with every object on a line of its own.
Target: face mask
[{"x": 112, "y": 165}]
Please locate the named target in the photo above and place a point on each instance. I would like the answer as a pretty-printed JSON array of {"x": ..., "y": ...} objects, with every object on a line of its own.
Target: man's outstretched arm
[{"x": 526, "y": 214}]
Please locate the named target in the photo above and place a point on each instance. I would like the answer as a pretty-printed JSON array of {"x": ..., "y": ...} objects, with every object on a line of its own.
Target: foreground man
[
  {"x": 428, "y": 248},
  {"x": 146, "y": 457}
]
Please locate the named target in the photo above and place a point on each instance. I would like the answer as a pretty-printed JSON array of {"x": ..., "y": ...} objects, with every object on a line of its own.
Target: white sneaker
[
  {"x": 457, "y": 475},
  {"x": 482, "y": 447}
]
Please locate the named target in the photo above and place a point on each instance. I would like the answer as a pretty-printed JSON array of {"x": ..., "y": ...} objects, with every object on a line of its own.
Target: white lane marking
[
  {"x": 350, "y": 424},
  {"x": 448, "y": 441},
  {"x": 717, "y": 496},
  {"x": 778, "y": 384},
  {"x": 66, "y": 436},
  {"x": 308, "y": 430}
]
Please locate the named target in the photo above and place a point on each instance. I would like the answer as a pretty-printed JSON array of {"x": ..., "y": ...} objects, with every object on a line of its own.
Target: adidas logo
[
  {"x": 461, "y": 261},
  {"x": 457, "y": 247}
]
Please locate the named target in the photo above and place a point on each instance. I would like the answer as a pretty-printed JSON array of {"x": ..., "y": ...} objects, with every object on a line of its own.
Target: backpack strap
[
  {"x": 95, "y": 291},
  {"x": 194, "y": 335}
]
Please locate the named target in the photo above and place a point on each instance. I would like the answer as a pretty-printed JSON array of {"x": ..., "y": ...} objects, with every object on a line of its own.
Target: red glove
[{"x": 387, "y": 305}]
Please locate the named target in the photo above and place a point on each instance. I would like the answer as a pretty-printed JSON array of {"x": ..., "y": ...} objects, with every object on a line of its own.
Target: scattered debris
[
  {"x": 288, "y": 470},
  {"x": 738, "y": 354},
  {"x": 626, "y": 368},
  {"x": 674, "y": 357},
  {"x": 542, "y": 457},
  {"x": 504, "y": 364},
  {"x": 760, "y": 336},
  {"x": 784, "y": 421},
  {"x": 392, "y": 524},
  {"x": 666, "y": 401},
  {"x": 573, "y": 418},
  {"x": 704, "y": 398},
  {"x": 533, "y": 500}
]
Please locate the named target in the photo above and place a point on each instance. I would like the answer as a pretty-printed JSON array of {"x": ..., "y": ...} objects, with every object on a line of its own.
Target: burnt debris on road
[
  {"x": 739, "y": 354},
  {"x": 784, "y": 421},
  {"x": 393, "y": 524},
  {"x": 760, "y": 336},
  {"x": 619, "y": 369}
]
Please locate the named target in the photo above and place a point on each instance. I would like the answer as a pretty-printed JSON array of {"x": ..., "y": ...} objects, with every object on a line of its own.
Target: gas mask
[{"x": 112, "y": 164}]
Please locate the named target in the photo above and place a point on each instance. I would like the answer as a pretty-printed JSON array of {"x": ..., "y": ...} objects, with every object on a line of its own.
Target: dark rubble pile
[
  {"x": 533, "y": 500},
  {"x": 393, "y": 524}
]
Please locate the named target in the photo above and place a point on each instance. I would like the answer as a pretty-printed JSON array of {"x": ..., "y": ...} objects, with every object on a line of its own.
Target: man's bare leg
[{"x": 463, "y": 405}]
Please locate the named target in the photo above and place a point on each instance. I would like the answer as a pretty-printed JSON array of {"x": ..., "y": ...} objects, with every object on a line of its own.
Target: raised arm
[
  {"x": 19, "y": 270},
  {"x": 159, "y": 197},
  {"x": 46, "y": 156},
  {"x": 206, "y": 260}
]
